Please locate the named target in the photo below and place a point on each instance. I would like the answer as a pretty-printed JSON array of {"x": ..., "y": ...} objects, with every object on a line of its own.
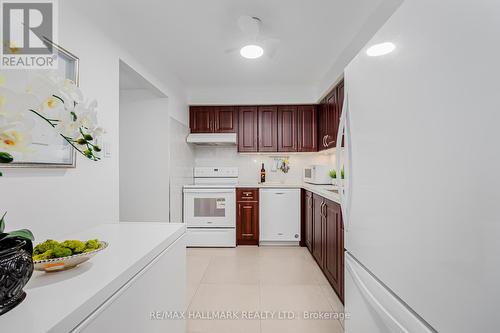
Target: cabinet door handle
[{"x": 239, "y": 209}]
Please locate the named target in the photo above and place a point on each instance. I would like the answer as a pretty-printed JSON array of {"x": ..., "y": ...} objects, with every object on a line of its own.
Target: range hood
[{"x": 212, "y": 139}]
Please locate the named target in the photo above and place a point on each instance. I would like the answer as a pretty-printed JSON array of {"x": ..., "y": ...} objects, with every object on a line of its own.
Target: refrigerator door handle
[{"x": 344, "y": 133}]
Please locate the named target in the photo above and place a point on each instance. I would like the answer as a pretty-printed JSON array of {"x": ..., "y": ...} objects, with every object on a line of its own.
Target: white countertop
[
  {"x": 58, "y": 301},
  {"x": 322, "y": 190}
]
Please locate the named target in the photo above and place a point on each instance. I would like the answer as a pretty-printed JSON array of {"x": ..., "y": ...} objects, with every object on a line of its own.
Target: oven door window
[{"x": 209, "y": 207}]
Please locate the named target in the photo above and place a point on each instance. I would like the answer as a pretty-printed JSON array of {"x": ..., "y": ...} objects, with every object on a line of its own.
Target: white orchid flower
[
  {"x": 42, "y": 88},
  {"x": 87, "y": 115},
  {"x": 67, "y": 125},
  {"x": 98, "y": 132},
  {"x": 12, "y": 139},
  {"x": 15, "y": 132},
  {"x": 57, "y": 101},
  {"x": 70, "y": 93}
]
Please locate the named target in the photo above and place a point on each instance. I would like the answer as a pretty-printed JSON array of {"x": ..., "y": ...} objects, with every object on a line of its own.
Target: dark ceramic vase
[{"x": 16, "y": 268}]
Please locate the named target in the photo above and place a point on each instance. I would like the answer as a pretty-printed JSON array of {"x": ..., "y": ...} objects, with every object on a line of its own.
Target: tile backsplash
[{"x": 249, "y": 164}]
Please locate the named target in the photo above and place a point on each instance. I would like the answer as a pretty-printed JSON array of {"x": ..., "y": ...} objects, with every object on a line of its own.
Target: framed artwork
[{"x": 49, "y": 150}]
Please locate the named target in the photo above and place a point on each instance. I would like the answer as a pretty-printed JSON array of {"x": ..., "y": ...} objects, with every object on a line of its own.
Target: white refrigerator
[{"x": 421, "y": 202}]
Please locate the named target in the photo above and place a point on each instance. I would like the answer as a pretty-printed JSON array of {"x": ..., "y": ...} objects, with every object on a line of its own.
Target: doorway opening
[{"x": 144, "y": 149}]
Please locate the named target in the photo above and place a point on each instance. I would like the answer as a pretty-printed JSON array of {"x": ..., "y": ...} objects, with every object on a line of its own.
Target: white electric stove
[{"x": 210, "y": 207}]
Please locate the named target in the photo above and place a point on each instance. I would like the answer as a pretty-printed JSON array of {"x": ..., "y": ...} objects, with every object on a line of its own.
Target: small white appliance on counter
[
  {"x": 279, "y": 216},
  {"x": 317, "y": 174},
  {"x": 210, "y": 207}
]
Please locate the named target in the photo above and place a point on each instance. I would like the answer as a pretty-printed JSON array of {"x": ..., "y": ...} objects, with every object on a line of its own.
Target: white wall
[
  {"x": 144, "y": 156},
  {"x": 181, "y": 166},
  {"x": 253, "y": 95},
  {"x": 55, "y": 202},
  {"x": 249, "y": 164}
]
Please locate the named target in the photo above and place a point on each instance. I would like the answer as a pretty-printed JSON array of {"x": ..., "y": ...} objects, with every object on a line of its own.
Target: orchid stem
[
  {"x": 68, "y": 139},
  {"x": 47, "y": 120}
]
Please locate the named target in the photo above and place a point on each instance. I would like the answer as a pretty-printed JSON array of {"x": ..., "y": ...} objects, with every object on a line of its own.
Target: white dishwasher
[{"x": 279, "y": 217}]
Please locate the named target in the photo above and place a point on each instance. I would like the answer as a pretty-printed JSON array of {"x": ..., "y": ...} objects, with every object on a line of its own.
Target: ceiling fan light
[
  {"x": 251, "y": 51},
  {"x": 380, "y": 49}
]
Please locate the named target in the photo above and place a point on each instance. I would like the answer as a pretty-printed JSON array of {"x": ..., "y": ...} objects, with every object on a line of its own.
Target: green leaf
[
  {"x": 6, "y": 157},
  {"x": 2, "y": 222},
  {"x": 23, "y": 234}
]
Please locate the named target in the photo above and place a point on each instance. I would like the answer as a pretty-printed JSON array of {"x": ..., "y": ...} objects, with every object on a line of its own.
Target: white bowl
[{"x": 57, "y": 264}]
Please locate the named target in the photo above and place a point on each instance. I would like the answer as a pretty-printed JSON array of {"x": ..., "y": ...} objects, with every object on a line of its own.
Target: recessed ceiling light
[
  {"x": 380, "y": 49},
  {"x": 251, "y": 51}
]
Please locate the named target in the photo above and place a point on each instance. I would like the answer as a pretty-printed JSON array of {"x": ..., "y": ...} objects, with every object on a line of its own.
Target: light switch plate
[{"x": 107, "y": 150}]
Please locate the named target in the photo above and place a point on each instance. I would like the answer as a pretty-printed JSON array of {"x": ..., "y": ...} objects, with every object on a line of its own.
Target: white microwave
[{"x": 317, "y": 174}]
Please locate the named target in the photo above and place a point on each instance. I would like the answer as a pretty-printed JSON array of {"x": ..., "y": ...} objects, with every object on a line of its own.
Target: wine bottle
[{"x": 262, "y": 174}]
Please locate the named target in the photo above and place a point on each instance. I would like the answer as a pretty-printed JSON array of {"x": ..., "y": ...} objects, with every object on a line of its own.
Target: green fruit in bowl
[{"x": 51, "y": 249}]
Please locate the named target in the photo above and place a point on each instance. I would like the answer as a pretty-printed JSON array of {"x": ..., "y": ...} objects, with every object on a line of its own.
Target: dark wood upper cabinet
[
  {"x": 268, "y": 129},
  {"x": 247, "y": 219},
  {"x": 284, "y": 128},
  {"x": 332, "y": 120},
  {"x": 287, "y": 128},
  {"x": 322, "y": 123},
  {"x": 226, "y": 119},
  {"x": 330, "y": 111},
  {"x": 213, "y": 119},
  {"x": 334, "y": 247},
  {"x": 248, "y": 129},
  {"x": 201, "y": 119},
  {"x": 307, "y": 125}
]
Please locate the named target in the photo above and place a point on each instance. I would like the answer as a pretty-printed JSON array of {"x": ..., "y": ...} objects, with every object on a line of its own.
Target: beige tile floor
[{"x": 256, "y": 280}]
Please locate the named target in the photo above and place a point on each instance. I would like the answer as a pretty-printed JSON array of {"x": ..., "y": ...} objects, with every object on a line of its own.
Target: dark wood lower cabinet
[
  {"x": 334, "y": 246},
  {"x": 317, "y": 230},
  {"x": 308, "y": 219},
  {"x": 324, "y": 237},
  {"x": 247, "y": 217}
]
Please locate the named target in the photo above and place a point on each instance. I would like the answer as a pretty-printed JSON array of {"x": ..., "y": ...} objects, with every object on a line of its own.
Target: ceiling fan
[{"x": 256, "y": 44}]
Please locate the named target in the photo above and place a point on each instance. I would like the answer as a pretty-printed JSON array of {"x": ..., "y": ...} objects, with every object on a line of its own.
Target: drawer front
[{"x": 247, "y": 194}]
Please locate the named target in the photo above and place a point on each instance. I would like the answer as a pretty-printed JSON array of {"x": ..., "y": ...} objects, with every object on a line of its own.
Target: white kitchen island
[{"x": 128, "y": 287}]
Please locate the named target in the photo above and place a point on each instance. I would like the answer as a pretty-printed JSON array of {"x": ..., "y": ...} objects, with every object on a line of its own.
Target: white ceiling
[{"x": 189, "y": 37}]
